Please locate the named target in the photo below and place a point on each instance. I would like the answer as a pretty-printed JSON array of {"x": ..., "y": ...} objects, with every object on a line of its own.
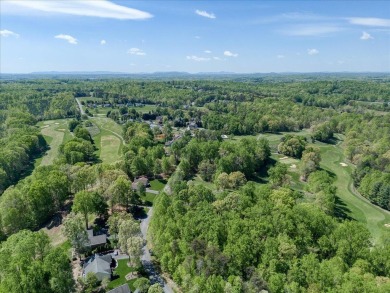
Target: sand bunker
[
  {"x": 343, "y": 164},
  {"x": 293, "y": 166},
  {"x": 283, "y": 158},
  {"x": 387, "y": 225},
  {"x": 56, "y": 123}
]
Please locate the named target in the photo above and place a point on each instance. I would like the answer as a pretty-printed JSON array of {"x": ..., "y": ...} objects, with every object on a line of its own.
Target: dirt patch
[
  {"x": 343, "y": 164},
  {"x": 76, "y": 269},
  {"x": 284, "y": 158}
]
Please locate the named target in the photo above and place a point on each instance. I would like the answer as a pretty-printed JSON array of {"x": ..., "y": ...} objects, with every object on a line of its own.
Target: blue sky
[{"x": 195, "y": 36}]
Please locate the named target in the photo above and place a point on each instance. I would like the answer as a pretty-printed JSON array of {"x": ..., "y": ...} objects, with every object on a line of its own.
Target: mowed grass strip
[
  {"x": 109, "y": 148},
  {"x": 57, "y": 137}
]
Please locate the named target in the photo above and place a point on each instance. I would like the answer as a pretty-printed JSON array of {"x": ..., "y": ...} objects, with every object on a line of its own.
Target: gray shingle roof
[
  {"x": 100, "y": 265},
  {"x": 121, "y": 289},
  {"x": 96, "y": 240}
]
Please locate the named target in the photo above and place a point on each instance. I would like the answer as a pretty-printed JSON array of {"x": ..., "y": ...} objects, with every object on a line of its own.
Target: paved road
[{"x": 146, "y": 259}]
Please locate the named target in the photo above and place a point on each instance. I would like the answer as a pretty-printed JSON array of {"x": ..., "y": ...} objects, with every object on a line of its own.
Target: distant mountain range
[{"x": 256, "y": 77}]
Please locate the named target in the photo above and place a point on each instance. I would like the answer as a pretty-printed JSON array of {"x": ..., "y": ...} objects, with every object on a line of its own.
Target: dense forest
[{"x": 232, "y": 217}]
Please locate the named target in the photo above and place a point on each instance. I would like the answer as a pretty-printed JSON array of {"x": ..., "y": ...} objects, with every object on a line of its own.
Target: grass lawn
[
  {"x": 145, "y": 108},
  {"x": 157, "y": 184},
  {"x": 149, "y": 198},
  {"x": 199, "y": 181},
  {"x": 122, "y": 270}
]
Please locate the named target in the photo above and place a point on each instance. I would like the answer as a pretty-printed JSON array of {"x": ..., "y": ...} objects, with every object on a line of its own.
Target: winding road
[{"x": 146, "y": 258}]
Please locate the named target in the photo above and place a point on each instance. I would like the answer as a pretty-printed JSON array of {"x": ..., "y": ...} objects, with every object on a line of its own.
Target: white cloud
[
  {"x": 105, "y": 9},
  {"x": 205, "y": 14},
  {"x": 70, "y": 39},
  {"x": 311, "y": 30},
  {"x": 207, "y": 51},
  {"x": 312, "y": 51},
  {"x": 136, "y": 51},
  {"x": 280, "y": 56},
  {"x": 366, "y": 36},
  {"x": 198, "y": 59},
  {"x": 369, "y": 21},
  {"x": 7, "y": 33},
  {"x": 103, "y": 42},
  {"x": 230, "y": 54}
]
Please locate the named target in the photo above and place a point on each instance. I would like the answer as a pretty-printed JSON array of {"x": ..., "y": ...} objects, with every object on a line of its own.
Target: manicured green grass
[
  {"x": 145, "y": 108},
  {"x": 109, "y": 149},
  {"x": 199, "y": 181},
  {"x": 157, "y": 184},
  {"x": 357, "y": 207},
  {"x": 54, "y": 132},
  {"x": 108, "y": 140},
  {"x": 122, "y": 270},
  {"x": 149, "y": 198}
]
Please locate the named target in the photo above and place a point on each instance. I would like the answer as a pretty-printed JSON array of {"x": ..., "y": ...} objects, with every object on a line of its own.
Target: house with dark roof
[
  {"x": 143, "y": 180},
  {"x": 96, "y": 240},
  {"x": 121, "y": 289},
  {"x": 100, "y": 265}
]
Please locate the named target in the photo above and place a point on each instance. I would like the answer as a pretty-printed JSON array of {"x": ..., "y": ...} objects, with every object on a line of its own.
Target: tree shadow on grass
[
  {"x": 330, "y": 173},
  {"x": 341, "y": 211},
  {"x": 262, "y": 175},
  {"x": 138, "y": 213}
]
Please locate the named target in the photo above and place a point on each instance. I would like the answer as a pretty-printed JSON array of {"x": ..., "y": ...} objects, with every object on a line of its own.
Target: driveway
[{"x": 146, "y": 258}]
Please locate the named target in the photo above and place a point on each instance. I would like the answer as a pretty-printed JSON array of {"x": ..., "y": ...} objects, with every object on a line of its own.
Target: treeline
[
  {"x": 207, "y": 156},
  {"x": 263, "y": 115},
  {"x": 20, "y": 143},
  {"x": 28, "y": 263},
  {"x": 43, "y": 99},
  {"x": 257, "y": 238},
  {"x": 177, "y": 93}
]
